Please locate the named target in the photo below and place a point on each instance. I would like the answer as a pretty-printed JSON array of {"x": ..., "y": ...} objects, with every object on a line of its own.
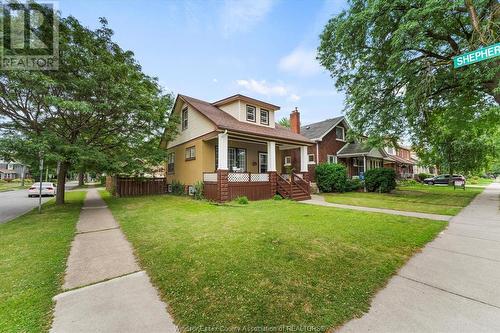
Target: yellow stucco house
[{"x": 235, "y": 147}]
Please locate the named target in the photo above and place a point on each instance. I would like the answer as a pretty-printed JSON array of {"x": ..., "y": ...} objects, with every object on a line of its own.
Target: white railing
[
  {"x": 285, "y": 176},
  {"x": 210, "y": 177},
  {"x": 245, "y": 177}
]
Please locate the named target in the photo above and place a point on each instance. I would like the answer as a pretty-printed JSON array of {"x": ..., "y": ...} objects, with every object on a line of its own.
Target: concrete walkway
[
  {"x": 106, "y": 290},
  {"x": 320, "y": 201},
  {"x": 453, "y": 285}
]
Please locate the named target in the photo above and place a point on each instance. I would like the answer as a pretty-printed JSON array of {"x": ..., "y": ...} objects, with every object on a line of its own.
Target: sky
[{"x": 212, "y": 49}]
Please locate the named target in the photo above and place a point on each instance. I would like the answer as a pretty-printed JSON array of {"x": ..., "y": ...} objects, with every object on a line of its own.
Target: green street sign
[{"x": 478, "y": 55}]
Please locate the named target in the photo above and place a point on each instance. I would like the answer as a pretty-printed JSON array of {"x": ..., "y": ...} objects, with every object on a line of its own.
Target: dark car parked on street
[{"x": 442, "y": 179}]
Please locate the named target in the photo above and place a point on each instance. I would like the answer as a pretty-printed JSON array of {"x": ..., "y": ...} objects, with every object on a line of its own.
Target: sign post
[
  {"x": 41, "y": 180},
  {"x": 484, "y": 53}
]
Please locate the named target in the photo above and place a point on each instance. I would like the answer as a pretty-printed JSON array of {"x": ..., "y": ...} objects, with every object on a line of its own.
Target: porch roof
[
  {"x": 400, "y": 160},
  {"x": 6, "y": 171},
  {"x": 225, "y": 121},
  {"x": 354, "y": 149}
]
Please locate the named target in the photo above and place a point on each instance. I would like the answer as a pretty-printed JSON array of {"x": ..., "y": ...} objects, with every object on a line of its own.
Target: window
[
  {"x": 184, "y": 118},
  {"x": 237, "y": 159},
  {"x": 288, "y": 160},
  {"x": 331, "y": 159},
  {"x": 358, "y": 164},
  {"x": 264, "y": 117},
  {"x": 339, "y": 133},
  {"x": 390, "y": 150},
  {"x": 170, "y": 162},
  {"x": 262, "y": 162},
  {"x": 251, "y": 113},
  {"x": 190, "y": 153},
  {"x": 310, "y": 158}
]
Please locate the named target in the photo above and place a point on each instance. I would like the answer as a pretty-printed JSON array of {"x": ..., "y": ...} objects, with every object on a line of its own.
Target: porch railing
[{"x": 238, "y": 177}]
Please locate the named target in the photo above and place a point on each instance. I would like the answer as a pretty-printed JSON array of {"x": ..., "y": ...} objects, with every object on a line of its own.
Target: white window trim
[
  {"x": 334, "y": 159},
  {"x": 343, "y": 133},
  {"x": 309, "y": 160},
  {"x": 289, "y": 158},
  {"x": 267, "y": 117},
  {"x": 182, "y": 118},
  {"x": 254, "y": 114}
]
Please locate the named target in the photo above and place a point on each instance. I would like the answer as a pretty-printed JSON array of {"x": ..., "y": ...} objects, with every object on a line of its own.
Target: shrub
[
  {"x": 331, "y": 177},
  {"x": 242, "y": 200},
  {"x": 277, "y": 197},
  {"x": 407, "y": 182},
  {"x": 198, "y": 190},
  {"x": 380, "y": 180},
  {"x": 178, "y": 188},
  {"x": 354, "y": 184},
  {"x": 473, "y": 180},
  {"x": 423, "y": 175}
]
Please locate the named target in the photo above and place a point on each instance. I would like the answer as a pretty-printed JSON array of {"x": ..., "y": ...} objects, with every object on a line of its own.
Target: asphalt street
[{"x": 16, "y": 203}]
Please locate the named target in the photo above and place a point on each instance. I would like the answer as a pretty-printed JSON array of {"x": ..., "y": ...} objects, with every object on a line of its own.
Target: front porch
[{"x": 248, "y": 167}]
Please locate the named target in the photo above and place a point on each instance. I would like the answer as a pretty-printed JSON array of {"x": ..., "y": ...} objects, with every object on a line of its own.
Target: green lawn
[
  {"x": 417, "y": 198},
  {"x": 268, "y": 263},
  {"x": 33, "y": 252},
  {"x": 480, "y": 181}
]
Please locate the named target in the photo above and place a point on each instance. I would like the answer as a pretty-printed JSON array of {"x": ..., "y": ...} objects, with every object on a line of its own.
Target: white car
[{"x": 47, "y": 189}]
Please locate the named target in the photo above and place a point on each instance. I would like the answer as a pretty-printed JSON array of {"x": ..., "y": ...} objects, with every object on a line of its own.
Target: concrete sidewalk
[
  {"x": 320, "y": 201},
  {"x": 452, "y": 285},
  {"x": 106, "y": 291}
]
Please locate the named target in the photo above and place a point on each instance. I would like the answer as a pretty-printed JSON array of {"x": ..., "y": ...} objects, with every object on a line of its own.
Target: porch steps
[{"x": 299, "y": 194}]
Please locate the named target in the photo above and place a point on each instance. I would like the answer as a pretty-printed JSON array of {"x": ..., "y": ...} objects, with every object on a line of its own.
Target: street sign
[{"x": 478, "y": 55}]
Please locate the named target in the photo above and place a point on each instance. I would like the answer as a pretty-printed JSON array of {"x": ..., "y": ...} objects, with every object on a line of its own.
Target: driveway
[
  {"x": 452, "y": 285},
  {"x": 16, "y": 203}
]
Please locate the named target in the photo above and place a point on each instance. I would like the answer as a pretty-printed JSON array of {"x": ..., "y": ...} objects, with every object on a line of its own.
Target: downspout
[
  {"x": 364, "y": 172},
  {"x": 317, "y": 153}
]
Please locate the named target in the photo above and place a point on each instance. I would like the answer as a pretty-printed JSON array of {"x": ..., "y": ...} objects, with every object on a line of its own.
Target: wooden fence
[{"x": 125, "y": 186}]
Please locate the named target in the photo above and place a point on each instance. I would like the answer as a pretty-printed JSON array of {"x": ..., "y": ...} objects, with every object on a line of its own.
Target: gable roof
[
  {"x": 225, "y": 121},
  {"x": 360, "y": 149},
  {"x": 320, "y": 129},
  {"x": 247, "y": 99}
]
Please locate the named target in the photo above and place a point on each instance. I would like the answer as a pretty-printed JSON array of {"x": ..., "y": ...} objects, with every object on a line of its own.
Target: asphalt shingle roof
[
  {"x": 317, "y": 130},
  {"x": 224, "y": 120},
  {"x": 355, "y": 148}
]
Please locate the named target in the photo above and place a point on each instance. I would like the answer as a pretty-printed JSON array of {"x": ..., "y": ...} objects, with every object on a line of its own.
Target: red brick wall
[{"x": 328, "y": 146}]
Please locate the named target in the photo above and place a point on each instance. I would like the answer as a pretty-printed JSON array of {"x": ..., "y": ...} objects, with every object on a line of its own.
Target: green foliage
[
  {"x": 285, "y": 122},
  {"x": 277, "y": 197},
  {"x": 407, "y": 182},
  {"x": 354, "y": 184},
  {"x": 422, "y": 176},
  {"x": 331, "y": 177},
  {"x": 243, "y": 200},
  {"x": 198, "y": 190},
  {"x": 393, "y": 59},
  {"x": 178, "y": 188},
  {"x": 380, "y": 180}
]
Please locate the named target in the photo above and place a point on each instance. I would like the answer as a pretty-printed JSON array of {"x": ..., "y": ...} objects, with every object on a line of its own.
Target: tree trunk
[
  {"x": 61, "y": 182},
  {"x": 81, "y": 180}
]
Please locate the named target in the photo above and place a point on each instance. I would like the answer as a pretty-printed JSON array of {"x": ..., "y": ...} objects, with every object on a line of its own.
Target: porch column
[
  {"x": 222, "y": 169},
  {"x": 223, "y": 150},
  {"x": 271, "y": 166},
  {"x": 303, "y": 163}
]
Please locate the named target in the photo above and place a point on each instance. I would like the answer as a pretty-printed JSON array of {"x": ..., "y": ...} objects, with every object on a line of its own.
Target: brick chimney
[{"x": 295, "y": 121}]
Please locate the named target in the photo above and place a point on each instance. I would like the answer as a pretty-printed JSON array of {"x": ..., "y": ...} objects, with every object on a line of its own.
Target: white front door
[{"x": 262, "y": 162}]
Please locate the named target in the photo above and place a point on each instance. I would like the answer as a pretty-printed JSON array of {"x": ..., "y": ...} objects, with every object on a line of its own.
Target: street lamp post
[{"x": 41, "y": 180}]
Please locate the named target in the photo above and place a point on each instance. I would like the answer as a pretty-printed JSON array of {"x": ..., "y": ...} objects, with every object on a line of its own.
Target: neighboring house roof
[
  {"x": 360, "y": 149},
  {"x": 225, "y": 121},
  {"x": 7, "y": 171},
  {"x": 401, "y": 160},
  {"x": 320, "y": 129}
]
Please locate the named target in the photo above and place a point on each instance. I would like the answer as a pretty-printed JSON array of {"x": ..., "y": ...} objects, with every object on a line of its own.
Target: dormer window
[
  {"x": 184, "y": 118},
  {"x": 340, "y": 133},
  {"x": 264, "y": 117},
  {"x": 251, "y": 113}
]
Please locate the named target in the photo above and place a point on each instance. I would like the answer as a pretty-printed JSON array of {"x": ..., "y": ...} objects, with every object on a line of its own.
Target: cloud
[
  {"x": 294, "y": 97},
  {"x": 214, "y": 80},
  {"x": 301, "y": 62},
  {"x": 242, "y": 15},
  {"x": 263, "y": 88}
]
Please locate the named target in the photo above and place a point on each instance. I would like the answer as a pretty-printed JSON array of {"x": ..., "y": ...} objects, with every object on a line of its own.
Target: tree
[
  {"x": 97, "y": 107},
  {"x": 285, "y": 122},
  {"x": 394, "y": 61}
]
